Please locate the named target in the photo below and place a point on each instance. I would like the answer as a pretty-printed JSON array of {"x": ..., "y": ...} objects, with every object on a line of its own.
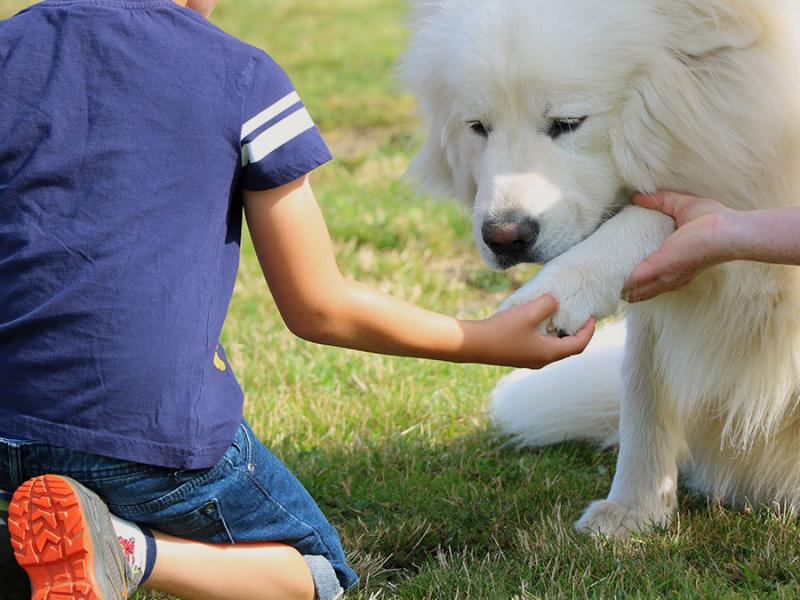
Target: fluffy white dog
[{"x": 544, "y": 116}]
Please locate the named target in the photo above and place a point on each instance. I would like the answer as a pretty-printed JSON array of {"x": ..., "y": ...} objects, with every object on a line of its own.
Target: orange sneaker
[{"x": 62, "y": 536}]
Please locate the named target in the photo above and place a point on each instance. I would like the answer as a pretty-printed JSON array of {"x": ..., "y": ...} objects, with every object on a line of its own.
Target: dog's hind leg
[
  {"x": 575, "y": 399},
  {"x": 644, "y": 492}
]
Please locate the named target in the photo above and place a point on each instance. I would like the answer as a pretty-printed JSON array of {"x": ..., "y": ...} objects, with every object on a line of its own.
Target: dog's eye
[
  {"x": 560, "y": 127},
  {"x": 479, "y": 128}
]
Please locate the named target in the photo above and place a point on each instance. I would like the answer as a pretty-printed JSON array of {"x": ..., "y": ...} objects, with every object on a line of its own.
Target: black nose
[{"x": 513, "y": 237}]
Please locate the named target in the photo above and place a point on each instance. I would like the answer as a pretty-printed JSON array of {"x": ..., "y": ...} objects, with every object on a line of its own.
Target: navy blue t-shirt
[{"x": 127, "y": 130}]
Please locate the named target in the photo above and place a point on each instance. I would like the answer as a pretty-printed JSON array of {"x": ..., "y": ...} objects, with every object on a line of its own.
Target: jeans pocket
[
  {"x": 205, "y": 522},
  {"x": 158, "y": 489}
]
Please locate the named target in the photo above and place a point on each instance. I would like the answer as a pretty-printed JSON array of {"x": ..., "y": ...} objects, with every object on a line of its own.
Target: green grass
[{"x": 398, "y": 452}]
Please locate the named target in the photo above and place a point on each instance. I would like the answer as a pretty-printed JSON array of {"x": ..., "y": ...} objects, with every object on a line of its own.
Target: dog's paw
[
  {"x": 582, "y": 293},
  {"x": 615, "y": 520}
]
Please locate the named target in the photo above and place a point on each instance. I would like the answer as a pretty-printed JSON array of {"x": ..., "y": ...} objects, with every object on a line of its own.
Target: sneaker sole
[{"x": 52, "y": 542}]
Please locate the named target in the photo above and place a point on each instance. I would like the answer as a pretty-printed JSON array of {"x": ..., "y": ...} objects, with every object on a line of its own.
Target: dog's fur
[{"x": 690, "y": 95}]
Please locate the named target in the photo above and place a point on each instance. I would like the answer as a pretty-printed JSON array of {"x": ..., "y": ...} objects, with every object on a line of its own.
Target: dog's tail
[{"x": 575, "y": 399}]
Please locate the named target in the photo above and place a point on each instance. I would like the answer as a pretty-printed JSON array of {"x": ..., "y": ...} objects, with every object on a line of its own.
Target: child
[
  {"x": 710, "y": 233},
  {"x": 133, "y": 133}
]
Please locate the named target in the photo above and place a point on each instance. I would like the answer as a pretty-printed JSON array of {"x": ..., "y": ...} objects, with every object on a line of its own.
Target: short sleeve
[{"x": 279, "y": 140}]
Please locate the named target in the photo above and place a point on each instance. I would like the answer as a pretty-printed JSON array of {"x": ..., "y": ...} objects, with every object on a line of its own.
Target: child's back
[{"x": 120, "y": 221}]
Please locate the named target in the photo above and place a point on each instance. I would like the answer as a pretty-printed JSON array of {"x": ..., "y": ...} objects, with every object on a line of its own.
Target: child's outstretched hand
[
  {"x": 319, "y": 304},
  {"x": 699, "y": 242},
  {"x": 513, "y": 337}
]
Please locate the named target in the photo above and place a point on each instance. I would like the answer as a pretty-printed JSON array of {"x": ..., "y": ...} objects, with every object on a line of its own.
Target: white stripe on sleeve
[
  {"x": 270, "y": 112},
  {"x": 276, "y": 136}
]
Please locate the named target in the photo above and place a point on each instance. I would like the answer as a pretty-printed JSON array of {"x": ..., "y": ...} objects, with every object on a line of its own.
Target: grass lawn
[{"x": 398, "y": 452}]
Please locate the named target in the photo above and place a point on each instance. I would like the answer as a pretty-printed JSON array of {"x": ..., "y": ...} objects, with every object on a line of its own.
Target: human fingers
[
  {"x": 651, "y": 201},
  {"x": 663, "y": 283},
  {"x": 682, "y": 208},
  {"x": 646, "y": 281},
  {"x": 649, "y": 291},
  {"x": 670, "y": 203},
  {"x": 541, "y": 308},
  {"x": 649, "y": 270},
  {"x": 574, "y": 344}
]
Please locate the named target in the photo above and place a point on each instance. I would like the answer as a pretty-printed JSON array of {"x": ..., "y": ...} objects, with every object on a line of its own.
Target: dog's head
[{"x": 531, "y": 107}]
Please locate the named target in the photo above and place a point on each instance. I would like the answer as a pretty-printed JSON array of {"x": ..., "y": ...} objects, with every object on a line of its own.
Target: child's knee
[{"x": 293, "y": 576}]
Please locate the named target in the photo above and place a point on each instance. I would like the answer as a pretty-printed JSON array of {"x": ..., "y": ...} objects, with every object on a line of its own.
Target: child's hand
[
  {"x": 513, "y": 338},
  {"x": 700, "y": 241},
  {"x": 320, "y": 305}
]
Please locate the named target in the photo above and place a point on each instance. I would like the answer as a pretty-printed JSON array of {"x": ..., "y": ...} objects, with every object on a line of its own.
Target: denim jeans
[{"x": 248, "y": 496}]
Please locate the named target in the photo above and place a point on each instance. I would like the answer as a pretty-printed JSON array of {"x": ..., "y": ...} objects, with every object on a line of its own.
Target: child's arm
[
  {"x": 319, "y": 304},
  {"x": 709, "y": 233}
]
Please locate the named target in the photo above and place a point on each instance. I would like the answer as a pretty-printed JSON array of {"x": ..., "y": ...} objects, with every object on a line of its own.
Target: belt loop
[{"x": 15, "y": 464}]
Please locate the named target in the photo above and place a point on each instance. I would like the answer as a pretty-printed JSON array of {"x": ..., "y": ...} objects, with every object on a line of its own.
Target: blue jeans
[{"x": 248, "y": 496}]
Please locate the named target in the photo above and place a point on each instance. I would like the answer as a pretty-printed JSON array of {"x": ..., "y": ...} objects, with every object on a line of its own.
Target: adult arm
[{"x": 709, "y": 233}]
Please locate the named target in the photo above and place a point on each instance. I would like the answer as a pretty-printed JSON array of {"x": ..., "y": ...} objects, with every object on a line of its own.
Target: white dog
[{"x": 544, "y": 116}]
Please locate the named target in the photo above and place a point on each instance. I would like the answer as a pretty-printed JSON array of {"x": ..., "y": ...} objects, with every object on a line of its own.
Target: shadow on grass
[
  {"x": 397, "y": 502},
  {"x": 481, "y": 519},
  {"x": 472, "y": 518}
]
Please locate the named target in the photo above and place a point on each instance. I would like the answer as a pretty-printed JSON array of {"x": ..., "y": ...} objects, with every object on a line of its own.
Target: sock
[{"x": 138, "y": 545}]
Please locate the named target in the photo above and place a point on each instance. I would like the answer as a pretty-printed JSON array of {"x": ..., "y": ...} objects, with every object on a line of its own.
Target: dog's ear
[
  {"x": 430, "y": 167},
  {"x": 701, "y": 27},
  {"x": 421, "y": 73}
]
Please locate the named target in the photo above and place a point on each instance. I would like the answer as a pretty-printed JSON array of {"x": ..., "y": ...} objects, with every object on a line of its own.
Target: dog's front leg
[
  {"x": 645, "y": 484},
  {"x": 588, "y": 278}
]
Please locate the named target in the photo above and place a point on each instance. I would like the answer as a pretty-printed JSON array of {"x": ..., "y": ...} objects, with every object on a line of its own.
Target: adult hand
[{"x": 699, "y": 242}]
